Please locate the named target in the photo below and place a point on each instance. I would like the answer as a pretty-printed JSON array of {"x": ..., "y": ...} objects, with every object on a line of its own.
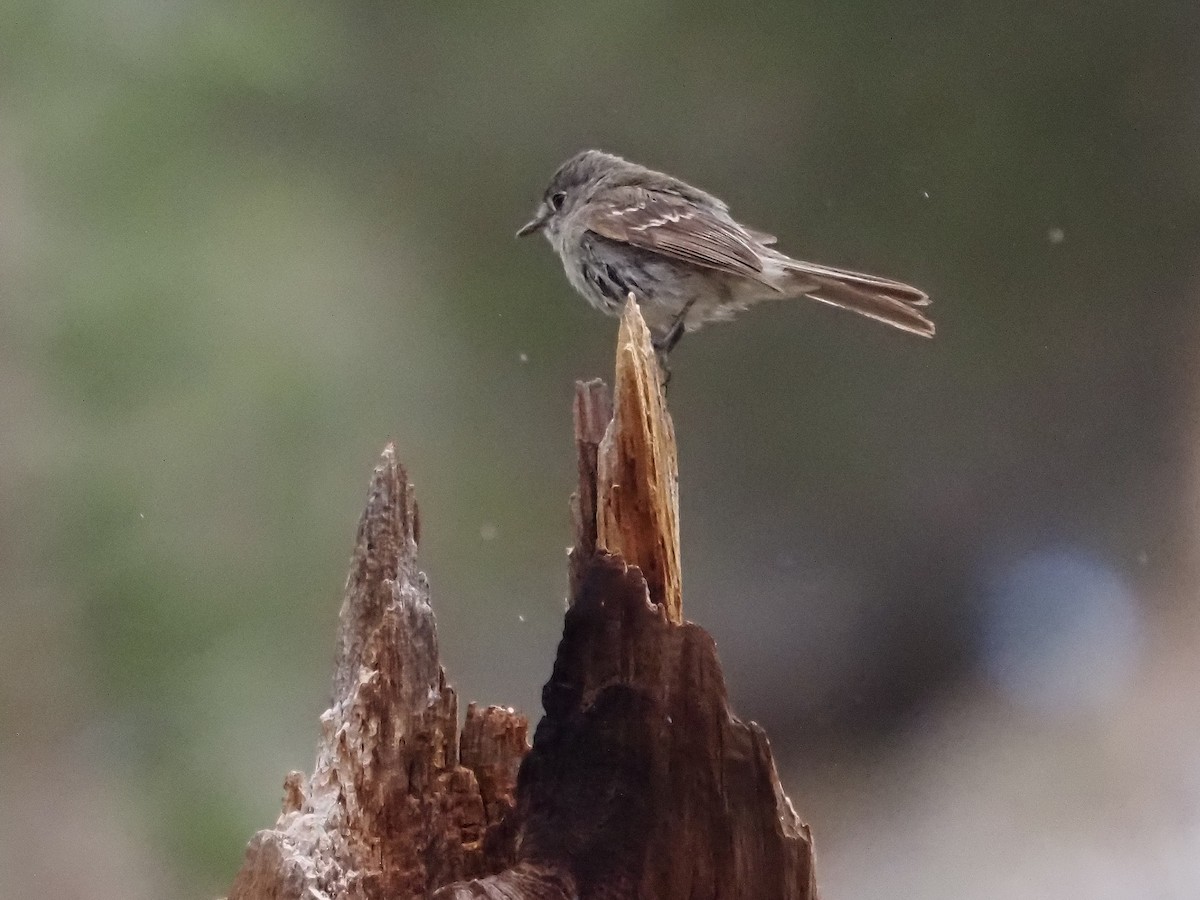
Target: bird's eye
[{"x": 557, "y": 199}]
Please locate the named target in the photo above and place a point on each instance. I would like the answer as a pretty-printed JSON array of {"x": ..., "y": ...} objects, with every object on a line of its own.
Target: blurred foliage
[{"x": 245, "y": 244}]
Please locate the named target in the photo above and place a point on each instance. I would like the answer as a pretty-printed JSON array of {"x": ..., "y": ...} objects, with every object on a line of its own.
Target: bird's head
[{"x": 571, "y": 185}]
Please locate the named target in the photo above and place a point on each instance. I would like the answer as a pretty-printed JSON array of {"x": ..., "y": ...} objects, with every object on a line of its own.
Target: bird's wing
[{"x": 673, "y": 226}]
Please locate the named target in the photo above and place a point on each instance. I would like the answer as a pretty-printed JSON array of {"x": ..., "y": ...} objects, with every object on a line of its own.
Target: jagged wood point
[
  {"x": 637, "y": 483},
  {"x": 397, "y": 803}
]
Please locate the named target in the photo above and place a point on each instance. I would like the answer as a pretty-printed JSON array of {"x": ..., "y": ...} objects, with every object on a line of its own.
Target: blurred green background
[{"x": 242, "y": 245}]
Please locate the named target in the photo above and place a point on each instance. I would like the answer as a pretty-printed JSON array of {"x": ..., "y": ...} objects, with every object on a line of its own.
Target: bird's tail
[{"x": 882, "y": 299}]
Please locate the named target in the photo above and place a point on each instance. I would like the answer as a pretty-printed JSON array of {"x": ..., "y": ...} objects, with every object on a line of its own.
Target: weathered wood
[
  {"x": 641, "y": 783},
  {"x": 637, "y": 485},
  {"x": 391, "y": 810},
  {"x": 592, "y": 415}
]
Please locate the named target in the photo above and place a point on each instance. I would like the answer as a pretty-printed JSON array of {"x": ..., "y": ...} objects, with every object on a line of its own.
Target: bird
[{"x": 622, "y": 229}]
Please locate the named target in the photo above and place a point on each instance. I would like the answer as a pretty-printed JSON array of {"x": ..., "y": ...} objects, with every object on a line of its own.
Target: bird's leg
[
  {"x": 670, "y": 338},
  {"x": 674, "y": 334},
  {"x": 662, "y": 350}
]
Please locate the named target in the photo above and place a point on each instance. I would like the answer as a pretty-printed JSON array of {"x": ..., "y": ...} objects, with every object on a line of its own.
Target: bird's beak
[{"x": 535, "y": 224}]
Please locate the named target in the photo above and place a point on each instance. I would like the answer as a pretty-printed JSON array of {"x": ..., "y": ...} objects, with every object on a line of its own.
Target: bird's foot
[{"x": 663, "y": 366}]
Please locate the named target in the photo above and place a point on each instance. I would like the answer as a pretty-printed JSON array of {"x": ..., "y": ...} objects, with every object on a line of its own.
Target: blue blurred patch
[{"x": 1061, "y": 631}]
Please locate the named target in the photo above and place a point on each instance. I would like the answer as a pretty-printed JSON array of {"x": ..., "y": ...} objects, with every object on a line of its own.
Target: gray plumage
[{"x": 620, "y": 228}]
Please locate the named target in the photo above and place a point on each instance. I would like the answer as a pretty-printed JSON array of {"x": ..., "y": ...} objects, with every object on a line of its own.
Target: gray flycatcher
[{"x": 621, "y": 228}]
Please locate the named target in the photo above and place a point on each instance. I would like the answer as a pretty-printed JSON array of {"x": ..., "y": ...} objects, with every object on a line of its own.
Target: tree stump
[
  {"x": 398, "y": 803},
  {"x": 640, "y": 781}
]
